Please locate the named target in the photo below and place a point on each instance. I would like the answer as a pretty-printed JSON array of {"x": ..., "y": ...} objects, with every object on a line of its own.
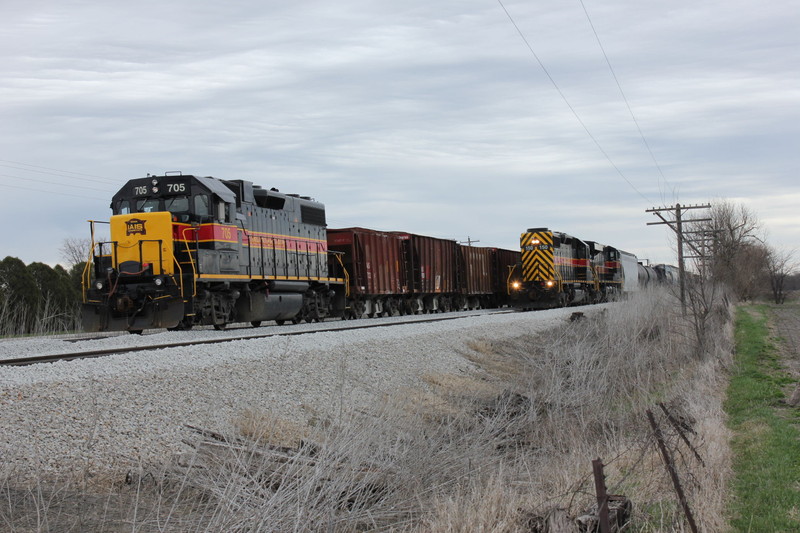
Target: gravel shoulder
[{"x": 93, "y": 415}]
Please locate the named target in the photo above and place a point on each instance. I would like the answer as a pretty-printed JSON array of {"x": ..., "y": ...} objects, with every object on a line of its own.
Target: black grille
[{"x": 312, "y": 215}]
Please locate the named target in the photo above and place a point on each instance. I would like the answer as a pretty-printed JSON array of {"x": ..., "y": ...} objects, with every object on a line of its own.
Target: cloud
[{"x": 419, "y": 116}]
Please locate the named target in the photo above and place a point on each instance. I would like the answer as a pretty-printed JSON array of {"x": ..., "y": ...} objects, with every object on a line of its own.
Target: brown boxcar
[
  {"x": 431, "y": 264},
  {"x": 372, "y": 259},
  {"x": 476, "y": 271}
]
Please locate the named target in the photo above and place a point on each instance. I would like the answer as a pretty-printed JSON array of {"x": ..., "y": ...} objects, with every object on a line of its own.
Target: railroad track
[{"x": 35, "y": 359}]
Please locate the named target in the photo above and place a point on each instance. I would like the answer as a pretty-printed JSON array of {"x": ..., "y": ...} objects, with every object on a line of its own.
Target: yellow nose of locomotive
[{"x": 143, "y": 241}]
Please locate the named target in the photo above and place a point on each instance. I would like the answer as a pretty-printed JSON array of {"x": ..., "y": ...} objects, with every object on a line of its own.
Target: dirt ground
[{"x": 785, "y": 325}]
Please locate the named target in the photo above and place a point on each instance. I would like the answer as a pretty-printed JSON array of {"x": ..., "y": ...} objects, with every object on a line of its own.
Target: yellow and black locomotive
[
  {"x": 557, "y": 269},
  {"x": 187, "y": 250}
]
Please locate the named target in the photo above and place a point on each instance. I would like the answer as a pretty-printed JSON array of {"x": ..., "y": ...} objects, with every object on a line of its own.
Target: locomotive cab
[{"x": 142, "y": 277}]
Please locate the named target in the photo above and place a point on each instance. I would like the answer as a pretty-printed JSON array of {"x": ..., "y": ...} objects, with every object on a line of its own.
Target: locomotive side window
[
  {"x": 123, "y": 207},
  {"x": 202, "y": 207}
]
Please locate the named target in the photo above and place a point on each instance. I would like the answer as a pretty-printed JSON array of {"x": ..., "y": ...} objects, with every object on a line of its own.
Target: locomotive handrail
[
  {"x": 596, "y": 277},
  {"x": 338, "y": 256},
  {"x": 86, "y": 276},
  {"x": 191, "y": 262},
  {"x": 559, "y": 281},
  {"x": 511, "y": 269}
]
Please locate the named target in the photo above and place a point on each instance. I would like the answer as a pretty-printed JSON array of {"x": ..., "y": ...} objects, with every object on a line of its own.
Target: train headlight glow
[
  {"x": 535, "y": 241},
  {"x": 550, "y": 283},
  {"x": 158, "y": 281},
  {"x": 98, "y": 285},
  {"x": 516, "y": 285}
]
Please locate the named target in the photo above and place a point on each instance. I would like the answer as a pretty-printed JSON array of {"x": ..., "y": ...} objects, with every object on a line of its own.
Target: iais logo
[{"x": 135, "y": 226}]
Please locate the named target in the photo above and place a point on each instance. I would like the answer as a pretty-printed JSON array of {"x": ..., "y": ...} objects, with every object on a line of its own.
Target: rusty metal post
[
  {"x": 671, "y": 469},
  {"x": 602, "y": 495}
]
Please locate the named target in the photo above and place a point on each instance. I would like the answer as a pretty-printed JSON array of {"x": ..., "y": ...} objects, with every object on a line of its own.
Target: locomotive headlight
[
  {"x": 98, "y": 285},
  {"x": 550, "y": 283},
  {"x": 516, "y": 285},
  {"x": 154, "y": 182},
  {"x": 535, "y": 241},
  {"x": 155, "y": 189},
  {"x": 158, "y": 281}
]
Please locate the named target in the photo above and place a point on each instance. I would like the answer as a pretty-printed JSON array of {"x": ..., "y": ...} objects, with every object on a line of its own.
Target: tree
[
  {"x": 736, "y": 255},
  {"x": 75, "y": 251},
  {"x": 780, "y": 265},
  {"x": 19, "y": 294}
]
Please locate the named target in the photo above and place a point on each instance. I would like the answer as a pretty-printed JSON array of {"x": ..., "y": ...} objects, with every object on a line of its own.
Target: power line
[
  {"x": 51, "y": 183},
  {"x": 563, "y": 97},
  {"x": 627, "y": 104},
  {"x": 60, "y": 193},
  {"x": 53, "y": 169}
]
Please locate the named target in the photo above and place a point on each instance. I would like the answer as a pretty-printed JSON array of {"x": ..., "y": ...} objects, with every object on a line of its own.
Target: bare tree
[
  {"x": 74, "y": 251},
  {"x": 734, "y": 249},
  {"x": 780, "y": 265}
]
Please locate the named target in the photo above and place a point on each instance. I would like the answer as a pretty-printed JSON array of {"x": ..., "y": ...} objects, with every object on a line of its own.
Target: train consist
[{"x": 187, "y": 250}]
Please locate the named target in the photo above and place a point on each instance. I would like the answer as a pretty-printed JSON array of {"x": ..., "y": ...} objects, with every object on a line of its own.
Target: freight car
[
  {"x": 391, "y": 273},
  {"x": 188, "y": 250},
  {"x": 558, "y": 269}
]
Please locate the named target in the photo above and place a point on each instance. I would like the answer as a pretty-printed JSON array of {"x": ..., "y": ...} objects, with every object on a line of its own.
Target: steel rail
[{"x": 35, "y": 359}]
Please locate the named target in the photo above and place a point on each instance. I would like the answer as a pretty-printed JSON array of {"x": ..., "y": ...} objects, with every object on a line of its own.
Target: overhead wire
[
  {"x": 105, "y": 178},
  {"x": 569, "y": 105},
  {"x": 39, "y": 190},
  {"x": 627, "y": 104}
]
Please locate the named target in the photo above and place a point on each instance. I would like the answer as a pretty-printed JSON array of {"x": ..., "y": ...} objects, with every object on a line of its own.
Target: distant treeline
[{"x": 38, "y": 298}]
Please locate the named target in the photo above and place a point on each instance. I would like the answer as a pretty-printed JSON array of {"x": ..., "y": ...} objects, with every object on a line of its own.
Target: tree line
[{"x": 37, "y": 298}]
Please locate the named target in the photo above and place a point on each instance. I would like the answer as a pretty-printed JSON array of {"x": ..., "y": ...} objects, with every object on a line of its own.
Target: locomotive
[
  {"x": 187, "y": 250},
  {"x": 558, "y": 269}
]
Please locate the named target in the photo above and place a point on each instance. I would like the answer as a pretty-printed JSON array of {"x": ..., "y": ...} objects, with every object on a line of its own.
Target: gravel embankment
[{"x": 90, "y": 413}]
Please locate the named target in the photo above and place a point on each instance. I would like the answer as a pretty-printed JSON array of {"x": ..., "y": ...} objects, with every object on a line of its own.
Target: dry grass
[{"x": 488, "y": 452}]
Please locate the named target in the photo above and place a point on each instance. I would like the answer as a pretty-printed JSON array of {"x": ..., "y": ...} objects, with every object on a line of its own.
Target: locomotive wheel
[
  {"x": 220, "y": 327},
  {"x": 256, "y": 323},
  {"x": 135, "y": 331},
  {"x": 280, "y": 322}
]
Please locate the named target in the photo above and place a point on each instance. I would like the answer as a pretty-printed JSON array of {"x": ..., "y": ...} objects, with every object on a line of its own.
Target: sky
[{"x": 461, "y": 119}]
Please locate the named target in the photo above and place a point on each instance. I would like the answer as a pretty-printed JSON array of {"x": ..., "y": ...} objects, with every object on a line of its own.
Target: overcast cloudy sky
[{"x": 452, "y": 118}]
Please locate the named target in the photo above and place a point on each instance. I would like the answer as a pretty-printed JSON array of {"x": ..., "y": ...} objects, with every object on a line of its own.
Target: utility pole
[
  {"x": 468, "y": 242},
  {"x": 676, "y": 224}
]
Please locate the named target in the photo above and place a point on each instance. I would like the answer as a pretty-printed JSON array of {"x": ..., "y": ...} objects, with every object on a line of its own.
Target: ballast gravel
[{"x": 88, "y": 415}]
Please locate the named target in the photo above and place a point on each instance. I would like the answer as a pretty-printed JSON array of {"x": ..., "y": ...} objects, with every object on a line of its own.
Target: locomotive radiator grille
[{"x": 537, "y": 256}]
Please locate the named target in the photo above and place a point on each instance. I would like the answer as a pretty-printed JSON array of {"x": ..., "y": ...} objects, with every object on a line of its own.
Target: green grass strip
[{"x": 766, "y": 444}]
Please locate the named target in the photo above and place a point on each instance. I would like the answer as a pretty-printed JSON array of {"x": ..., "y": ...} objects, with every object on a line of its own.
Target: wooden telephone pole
[{"x": 676, "y": 224}]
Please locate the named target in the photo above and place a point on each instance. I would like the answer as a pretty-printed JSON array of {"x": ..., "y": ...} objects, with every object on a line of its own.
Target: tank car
[
  {"x": 647, "y": 275},
  {"x": 667, "y": 274},
  {"x": 187, "y": 250}
]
